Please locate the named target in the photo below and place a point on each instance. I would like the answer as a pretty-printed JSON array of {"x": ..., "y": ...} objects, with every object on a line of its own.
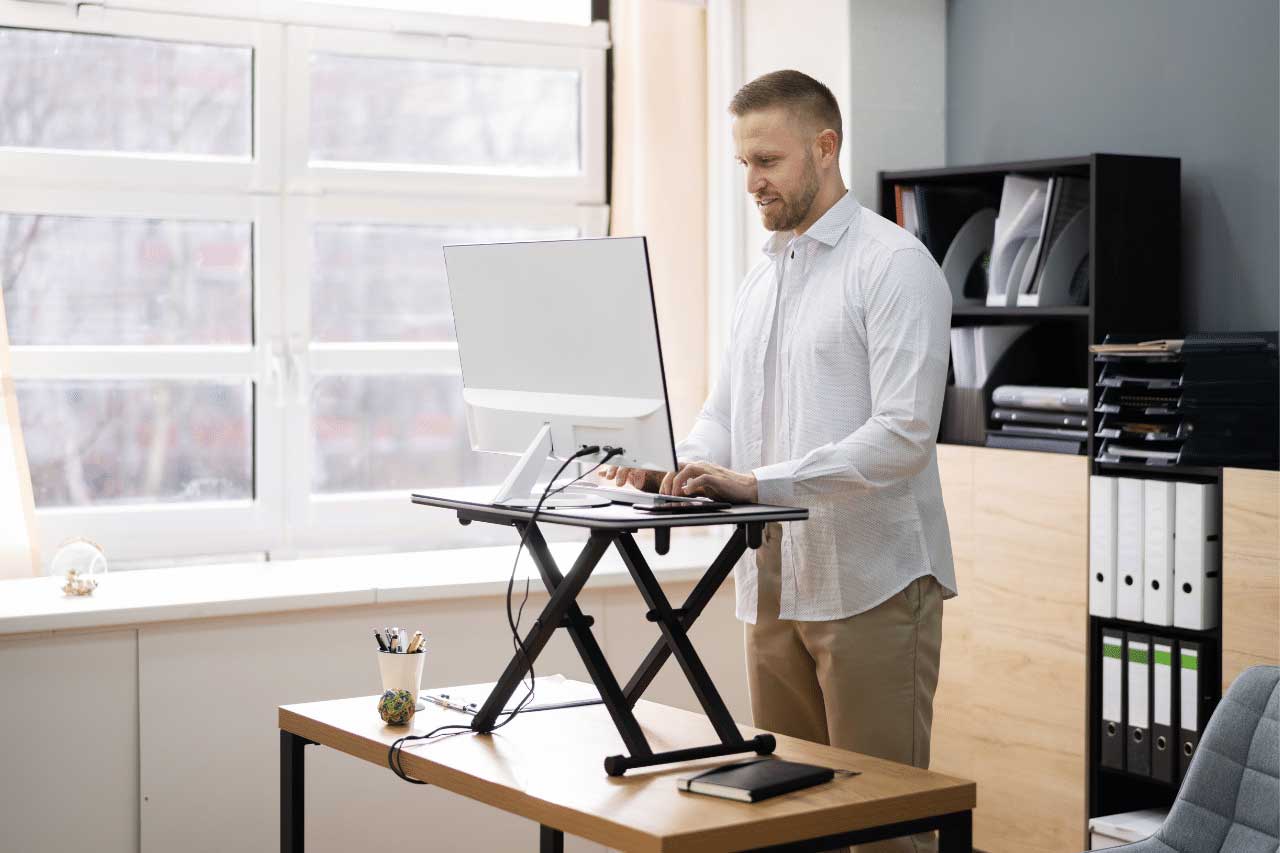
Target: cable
[{"x": 396, "y": 749}]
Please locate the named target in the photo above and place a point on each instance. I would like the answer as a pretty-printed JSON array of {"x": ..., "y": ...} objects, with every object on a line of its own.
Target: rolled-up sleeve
[{"x": 907, "y": 314}]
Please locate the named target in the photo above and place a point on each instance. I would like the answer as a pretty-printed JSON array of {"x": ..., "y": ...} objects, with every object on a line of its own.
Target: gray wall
[{"x": 1181, "y": 78}]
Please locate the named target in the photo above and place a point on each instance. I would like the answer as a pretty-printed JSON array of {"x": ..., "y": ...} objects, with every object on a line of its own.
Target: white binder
[
  {"x": 1157, "y": 562},
  {"x": 1102, "y": 546},
  {"x": 1197, "y": 556},
  {"x": 1129, "y": 549}
]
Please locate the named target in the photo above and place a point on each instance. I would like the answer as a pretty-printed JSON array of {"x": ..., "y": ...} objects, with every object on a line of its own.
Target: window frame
[
  {"x": 588, "y": 186},
  {"x": 176, "y": 529},
  {"x": 281, "y": 195},
  {"x": 53, "y": 167},
  {"x": 318, "y": 522}
]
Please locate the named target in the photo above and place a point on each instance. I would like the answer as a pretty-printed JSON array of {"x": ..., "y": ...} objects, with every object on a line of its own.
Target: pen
[
  {"x": 444, "y": 703},
  {"x": 381, "y": 645},
  {"x": 415, "y": 644},
  {"x": 395, "y": 639}
]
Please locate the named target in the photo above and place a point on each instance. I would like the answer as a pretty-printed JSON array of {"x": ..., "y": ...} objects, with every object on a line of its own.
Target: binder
[
  {"x": 1129, "y": 549},
  {"x": 1164, "y": 740},
  {"x": 1113, "y": 734},
  {"x": 1157, "y": 561},
  {"x": 1138, "y": 724},
  {"x": 1197, "y": 556},
  {"x": 1102, "y": 546},
  {"x": 1189, "y": 704}
]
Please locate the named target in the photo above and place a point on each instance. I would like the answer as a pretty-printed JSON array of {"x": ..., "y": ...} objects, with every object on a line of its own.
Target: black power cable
[{"x": 396, "y": 749}]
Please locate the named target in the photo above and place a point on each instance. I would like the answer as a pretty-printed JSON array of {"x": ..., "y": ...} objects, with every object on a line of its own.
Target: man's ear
[{"x": 828, "y": 146}]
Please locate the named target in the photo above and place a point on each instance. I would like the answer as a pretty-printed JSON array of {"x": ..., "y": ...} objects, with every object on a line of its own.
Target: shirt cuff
[{"x": 774, "y": 484}]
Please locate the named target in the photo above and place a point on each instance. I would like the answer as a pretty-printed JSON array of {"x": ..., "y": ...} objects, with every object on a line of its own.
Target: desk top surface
[
  {"x": 547, "y": 766},
  {"x": 612, "y": 517}
]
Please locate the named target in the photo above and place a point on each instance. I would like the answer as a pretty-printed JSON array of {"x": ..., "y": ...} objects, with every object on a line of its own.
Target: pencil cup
[{"x": 402, "y": 672}]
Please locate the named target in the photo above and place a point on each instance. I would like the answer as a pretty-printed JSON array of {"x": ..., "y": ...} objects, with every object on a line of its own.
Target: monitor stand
[{"x": 518, "y": 489}]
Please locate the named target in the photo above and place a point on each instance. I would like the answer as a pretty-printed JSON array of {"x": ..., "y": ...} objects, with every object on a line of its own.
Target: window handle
[
  {"x": 298, "y": 370},
  {"x": 278, "y": 373}
]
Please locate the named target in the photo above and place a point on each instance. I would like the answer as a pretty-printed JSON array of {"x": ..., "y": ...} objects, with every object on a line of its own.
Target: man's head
[{"x": 786, "y": 132}]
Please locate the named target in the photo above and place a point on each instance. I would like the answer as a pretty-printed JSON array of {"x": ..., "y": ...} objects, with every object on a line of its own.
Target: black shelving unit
[
  {"x": 1110, "y": 791},
  {"x": 1134, "y": 256}
]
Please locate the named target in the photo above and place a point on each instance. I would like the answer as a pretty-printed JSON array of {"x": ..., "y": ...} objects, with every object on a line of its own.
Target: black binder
[
  {"x": 1198, "y": 695},
  {"x": 1164, "y": 704},
  {"x": 1112, "y": 716},
  {"x": 1138, "y": 725}
]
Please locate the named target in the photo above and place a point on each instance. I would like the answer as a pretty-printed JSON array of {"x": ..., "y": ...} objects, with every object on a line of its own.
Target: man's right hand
[{"x": 639, "y": 478}]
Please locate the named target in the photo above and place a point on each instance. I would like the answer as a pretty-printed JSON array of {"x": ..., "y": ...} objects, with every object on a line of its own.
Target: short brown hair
[{"x": 798, "y": 92}]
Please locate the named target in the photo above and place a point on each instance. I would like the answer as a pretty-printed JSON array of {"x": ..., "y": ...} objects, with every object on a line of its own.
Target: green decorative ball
[{"x": 396, "y": 707}]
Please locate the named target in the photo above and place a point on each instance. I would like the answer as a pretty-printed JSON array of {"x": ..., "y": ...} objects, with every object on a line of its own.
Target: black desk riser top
[{"x": 613, "y": 517}]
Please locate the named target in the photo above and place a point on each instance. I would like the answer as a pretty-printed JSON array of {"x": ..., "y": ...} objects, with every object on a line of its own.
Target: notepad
[{"x": 755, "y": 780}]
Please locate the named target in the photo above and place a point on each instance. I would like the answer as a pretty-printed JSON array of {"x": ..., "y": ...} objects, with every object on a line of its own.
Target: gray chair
[{"x": 1230, "y": 799}]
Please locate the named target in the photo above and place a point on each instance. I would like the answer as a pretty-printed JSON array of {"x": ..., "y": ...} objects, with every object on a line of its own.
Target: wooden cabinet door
[
  {"x": 1029, "y": 627},
  {"x": 1250, "y": 570}
]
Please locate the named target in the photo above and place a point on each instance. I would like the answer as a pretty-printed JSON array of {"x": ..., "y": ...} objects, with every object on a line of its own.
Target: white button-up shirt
[{"x": 861, "y": 364}]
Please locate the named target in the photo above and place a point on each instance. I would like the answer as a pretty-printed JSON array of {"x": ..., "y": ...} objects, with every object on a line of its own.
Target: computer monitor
[{"x": 558, "y": 342}]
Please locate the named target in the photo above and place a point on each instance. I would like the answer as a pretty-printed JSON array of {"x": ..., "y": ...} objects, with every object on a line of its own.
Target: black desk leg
[
  {"x": 292, "y": 792},
  {"x": 551, "y": 619},
  {"x": 550, "y": 840},
  {"x": 692, "y": 608},
  {"x": 955, "y": 833}
]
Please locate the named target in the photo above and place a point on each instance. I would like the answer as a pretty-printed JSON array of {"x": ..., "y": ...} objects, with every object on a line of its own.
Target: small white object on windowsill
[{"x": 82, "y": 562}]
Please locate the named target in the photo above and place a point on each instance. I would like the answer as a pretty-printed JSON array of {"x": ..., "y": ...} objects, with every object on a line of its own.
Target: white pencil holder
[{"x": 402, "y": 672}]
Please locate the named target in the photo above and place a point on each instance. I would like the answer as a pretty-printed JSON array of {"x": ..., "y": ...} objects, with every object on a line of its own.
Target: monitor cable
[{"x": 513, "y": 622}]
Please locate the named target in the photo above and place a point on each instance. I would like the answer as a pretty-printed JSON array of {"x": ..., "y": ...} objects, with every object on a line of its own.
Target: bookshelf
[
  {"x": 1133, "y": 289},
  {"x": 1134, "y": 259}
]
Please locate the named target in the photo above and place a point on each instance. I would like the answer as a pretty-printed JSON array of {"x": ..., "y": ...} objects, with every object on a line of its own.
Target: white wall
[
  {"x": 164, "y": 737},
  {"x": 884, "y": 60}
]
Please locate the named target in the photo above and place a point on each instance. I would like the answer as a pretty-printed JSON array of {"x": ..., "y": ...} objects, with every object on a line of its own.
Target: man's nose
[{"x": 755, "y": 183}]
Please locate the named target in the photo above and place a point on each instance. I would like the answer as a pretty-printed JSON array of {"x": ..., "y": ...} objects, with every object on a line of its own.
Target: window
[{"x": 220, "y": 250}]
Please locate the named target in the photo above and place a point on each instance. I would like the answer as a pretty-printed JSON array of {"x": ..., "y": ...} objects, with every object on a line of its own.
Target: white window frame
[
  {"x": 146, "y": 530},
  {"x": 283, "y": 196},
  {"x": 304, "y": 177},
  {"x": 259, "y": 172},
  {"x": 317, "y": 522}
]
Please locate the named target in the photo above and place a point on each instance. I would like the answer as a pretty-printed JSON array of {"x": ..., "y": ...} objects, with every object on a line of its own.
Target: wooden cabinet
[
  {"x": 1010, "y": 706},
  {"x": 1250, "y": 570}
]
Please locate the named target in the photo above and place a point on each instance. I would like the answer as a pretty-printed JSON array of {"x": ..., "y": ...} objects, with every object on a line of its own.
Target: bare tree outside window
[
  {"x": 444, "y": 114},
  {"x": 84, "y": 92}
]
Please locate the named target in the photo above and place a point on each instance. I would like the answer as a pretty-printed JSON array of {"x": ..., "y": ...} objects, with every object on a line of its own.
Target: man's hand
[
  {"x": 712, "y": 481},
  {"x": 636, "y": 478}
]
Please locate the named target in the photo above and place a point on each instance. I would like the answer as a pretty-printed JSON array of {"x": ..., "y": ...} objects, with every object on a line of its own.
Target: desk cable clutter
[{"x": 513, "y": 622}]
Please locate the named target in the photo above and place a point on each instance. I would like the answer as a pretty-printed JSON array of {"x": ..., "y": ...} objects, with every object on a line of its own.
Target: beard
[{"x": 792, "y": 210}]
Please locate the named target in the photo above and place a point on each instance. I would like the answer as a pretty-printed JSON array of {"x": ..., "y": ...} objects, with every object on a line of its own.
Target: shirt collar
[{"x": 828, "y": 230}]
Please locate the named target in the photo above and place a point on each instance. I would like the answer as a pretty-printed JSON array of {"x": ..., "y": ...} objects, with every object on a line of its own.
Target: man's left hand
[{"x": 714, "y": 481}]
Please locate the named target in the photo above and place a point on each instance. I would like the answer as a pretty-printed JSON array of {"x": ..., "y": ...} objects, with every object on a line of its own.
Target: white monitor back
[{"x": 561, "y": 332}]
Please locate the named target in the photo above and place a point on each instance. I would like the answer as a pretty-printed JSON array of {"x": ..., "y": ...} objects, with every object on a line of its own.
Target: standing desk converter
[{"x": 615, "y": 525}]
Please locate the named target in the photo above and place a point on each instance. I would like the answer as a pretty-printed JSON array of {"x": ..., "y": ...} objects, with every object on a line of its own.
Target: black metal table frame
[{"x": 955, "y": 830}]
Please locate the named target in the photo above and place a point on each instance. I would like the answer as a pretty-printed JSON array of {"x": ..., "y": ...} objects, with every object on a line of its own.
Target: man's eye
[{"x": 766, "y": 161}]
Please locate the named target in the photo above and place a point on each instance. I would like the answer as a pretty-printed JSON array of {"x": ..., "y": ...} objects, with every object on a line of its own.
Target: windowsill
[{"x": 32, "y": 605}]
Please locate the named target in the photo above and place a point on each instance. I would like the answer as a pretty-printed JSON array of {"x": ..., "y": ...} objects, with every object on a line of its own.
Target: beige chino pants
[{"x": 864, "y": 683}]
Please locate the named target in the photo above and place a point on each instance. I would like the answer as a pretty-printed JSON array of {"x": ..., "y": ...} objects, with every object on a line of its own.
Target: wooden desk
[{"x": 545, "y": 766}]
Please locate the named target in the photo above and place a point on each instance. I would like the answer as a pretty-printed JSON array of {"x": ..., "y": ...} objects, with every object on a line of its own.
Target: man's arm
[
  {"x": 709, "y": 439},
  {"x": 908, "y": 317}
]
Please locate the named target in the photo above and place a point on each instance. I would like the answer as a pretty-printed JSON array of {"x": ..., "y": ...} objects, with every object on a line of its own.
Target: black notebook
[{"x": 755, "y": 780}]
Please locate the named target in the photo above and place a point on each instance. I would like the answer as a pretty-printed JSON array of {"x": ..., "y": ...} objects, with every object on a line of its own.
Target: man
[{"x": 829, "y": 398}]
